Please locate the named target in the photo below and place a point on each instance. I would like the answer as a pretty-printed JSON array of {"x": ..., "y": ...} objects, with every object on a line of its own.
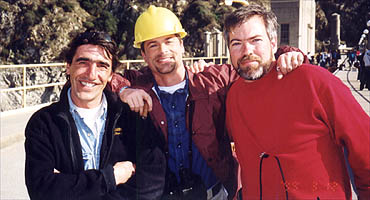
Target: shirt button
[
  {"x": 173, "y": 106},
  {"x": 89, "y": 134},
  {"x": 162, "y": 122},
  {"x": 176, "y": 125},
  {"x": 179, "y": 145},
  {"x": 193, "y": 132}
]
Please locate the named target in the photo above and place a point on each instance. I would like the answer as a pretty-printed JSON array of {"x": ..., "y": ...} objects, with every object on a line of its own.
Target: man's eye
[
  {"x": 82, "y": 62},
  {"x": 104, "y": 66},
  {"x": 234, "y": 44},
  {"x": 152, "y": 46}
]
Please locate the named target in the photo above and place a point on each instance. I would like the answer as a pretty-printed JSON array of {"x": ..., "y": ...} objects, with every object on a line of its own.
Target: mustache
[
  {"x": 162, "y": 55},
  {"x": 250, "y": 57}
]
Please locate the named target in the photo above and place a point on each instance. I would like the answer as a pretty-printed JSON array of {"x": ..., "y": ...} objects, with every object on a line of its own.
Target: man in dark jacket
[{"x": 89, "y": 145}]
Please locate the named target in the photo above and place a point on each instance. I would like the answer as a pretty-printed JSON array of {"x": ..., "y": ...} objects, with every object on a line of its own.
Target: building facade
[{"x": 297, "y": 23}]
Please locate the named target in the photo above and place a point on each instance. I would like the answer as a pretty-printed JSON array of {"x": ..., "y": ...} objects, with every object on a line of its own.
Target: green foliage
[
  {"x": 43, "y": 10},
  {"x": 198, "y": 17},
  {"x": 4, "y": 53},
  {"x": 106, "y": 22},
  {"x": 353, "y": 16},
  {"x": 89, "y": 24},
  {"x": 67, "y": 6},
  {"x": 4, "y": 6},
  {"x": 94, "y": 7},
  {"x": 30, "y": 18}
]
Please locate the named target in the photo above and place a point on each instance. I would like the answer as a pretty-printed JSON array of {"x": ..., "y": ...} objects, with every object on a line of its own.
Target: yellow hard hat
[{"x": 156, "y": 22}]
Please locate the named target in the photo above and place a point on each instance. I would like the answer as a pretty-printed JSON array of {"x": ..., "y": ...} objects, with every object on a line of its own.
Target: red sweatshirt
[{"x": 302, "y": 123}]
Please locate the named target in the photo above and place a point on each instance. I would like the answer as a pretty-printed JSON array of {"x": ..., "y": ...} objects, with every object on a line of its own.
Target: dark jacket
[{"x": 52, "y": 142}]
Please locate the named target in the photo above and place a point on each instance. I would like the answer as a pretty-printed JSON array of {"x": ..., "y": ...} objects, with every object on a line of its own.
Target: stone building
[{"x": 297, "y": 23}]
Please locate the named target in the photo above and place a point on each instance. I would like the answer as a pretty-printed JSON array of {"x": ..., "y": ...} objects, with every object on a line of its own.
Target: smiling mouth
[
  {"x": 164, "y": 60},
  {"x": 87, "y": 84}
]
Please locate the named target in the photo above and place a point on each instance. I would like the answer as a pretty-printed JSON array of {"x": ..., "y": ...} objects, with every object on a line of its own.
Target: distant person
[
  {"x": 361, "y": 64},
  {"x": 335, "y": 56},
  {"x": 310, "y": 57},
  {"x": 365, "y": 76},
  {"x": 351, "y": 55},
  {"x": 323, "y": 59},
  {"x": 290, "y": 133},
  {"x": 317, "y": 58},
  {"x": 89, "y": 145}
]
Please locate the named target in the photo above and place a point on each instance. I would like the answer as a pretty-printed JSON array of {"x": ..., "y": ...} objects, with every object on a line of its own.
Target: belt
[{"x": 214, "y": 190}]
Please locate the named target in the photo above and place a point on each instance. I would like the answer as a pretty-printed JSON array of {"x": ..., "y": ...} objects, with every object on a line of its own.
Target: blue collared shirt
[
  {"x": 178, "y": 137},
  {"x": 90, "y": 132}
]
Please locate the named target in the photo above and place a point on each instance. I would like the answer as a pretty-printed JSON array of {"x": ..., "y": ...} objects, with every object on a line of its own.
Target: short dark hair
[
  {"x": 95, "y": 38},
  {"x": 244, "y": 13}
]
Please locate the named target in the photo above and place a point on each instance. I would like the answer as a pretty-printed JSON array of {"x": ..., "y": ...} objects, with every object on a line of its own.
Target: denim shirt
[
  {"x": 178, "y": 136},
  {"x": 90, "y": 137}
]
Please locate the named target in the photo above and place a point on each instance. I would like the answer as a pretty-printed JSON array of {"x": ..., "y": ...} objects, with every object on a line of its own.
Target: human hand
[
  {"x": 198, "y": 66},
  {"x": 123, "y": 171},
  {"x": 288, "y": 61},
  {"x": 138, "y": 100}
]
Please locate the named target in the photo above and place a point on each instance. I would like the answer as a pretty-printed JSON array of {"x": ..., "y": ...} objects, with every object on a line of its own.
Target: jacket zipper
[
  {"x": 116, "y": 117},
  {"x": 71, "y": 145}
]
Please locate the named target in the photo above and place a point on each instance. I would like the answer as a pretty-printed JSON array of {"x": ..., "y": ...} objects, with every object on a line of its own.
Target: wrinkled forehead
[{"x": 93, "y": 53}]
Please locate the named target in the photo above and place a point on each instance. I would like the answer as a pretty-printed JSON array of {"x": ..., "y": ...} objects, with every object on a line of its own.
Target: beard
[
  {"x": 165, "y": 68},
  {"x": 253, "y": 72}
]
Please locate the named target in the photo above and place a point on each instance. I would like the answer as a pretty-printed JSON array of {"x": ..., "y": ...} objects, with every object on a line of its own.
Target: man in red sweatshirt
[{"x": 290, "y": 133}]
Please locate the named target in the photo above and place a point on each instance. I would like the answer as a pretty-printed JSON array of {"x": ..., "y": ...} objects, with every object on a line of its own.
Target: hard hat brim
[{"x": 137, "y": 44}]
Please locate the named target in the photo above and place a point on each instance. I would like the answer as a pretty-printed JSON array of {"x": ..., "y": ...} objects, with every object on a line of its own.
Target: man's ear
[
  {"x": 110, "y": 77},
  {"x": 143, "y": 55},
  {"x": 68, "y": 66},
  {"x": 182, "y": 46},
  {"x": 274, "y": 45}
]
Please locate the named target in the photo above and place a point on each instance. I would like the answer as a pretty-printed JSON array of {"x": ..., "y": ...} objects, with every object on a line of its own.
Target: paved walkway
[
  {"x": 13, "y": 124},
  {"x": 349, "y": 78}
]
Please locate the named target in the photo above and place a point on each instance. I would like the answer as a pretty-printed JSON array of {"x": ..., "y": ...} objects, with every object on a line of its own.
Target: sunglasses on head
[{"x": 88, "y": 37}]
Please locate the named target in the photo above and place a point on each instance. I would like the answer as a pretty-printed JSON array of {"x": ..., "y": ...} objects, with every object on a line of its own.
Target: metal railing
[{"x": 126, "y": 64}]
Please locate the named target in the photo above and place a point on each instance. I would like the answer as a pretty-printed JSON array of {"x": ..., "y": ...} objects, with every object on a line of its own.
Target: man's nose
[
  {"x": 91, "y": 71},
  {"x": 247, "y": 48},
  {"x": 163, "y": 47}
]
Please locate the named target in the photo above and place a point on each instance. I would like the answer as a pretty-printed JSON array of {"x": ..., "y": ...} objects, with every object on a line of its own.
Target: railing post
[
  {"x": 128, "y": 66},
  {"x": 24, "y": 88}
]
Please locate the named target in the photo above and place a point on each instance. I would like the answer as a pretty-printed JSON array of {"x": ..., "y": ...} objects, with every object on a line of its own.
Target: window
[{"x": 284, "y": 34}]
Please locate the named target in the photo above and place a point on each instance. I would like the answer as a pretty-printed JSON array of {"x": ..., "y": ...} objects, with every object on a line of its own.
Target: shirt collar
[
  {"x": 180, "y": 90},
  {"x": 73, "y": 107}
]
